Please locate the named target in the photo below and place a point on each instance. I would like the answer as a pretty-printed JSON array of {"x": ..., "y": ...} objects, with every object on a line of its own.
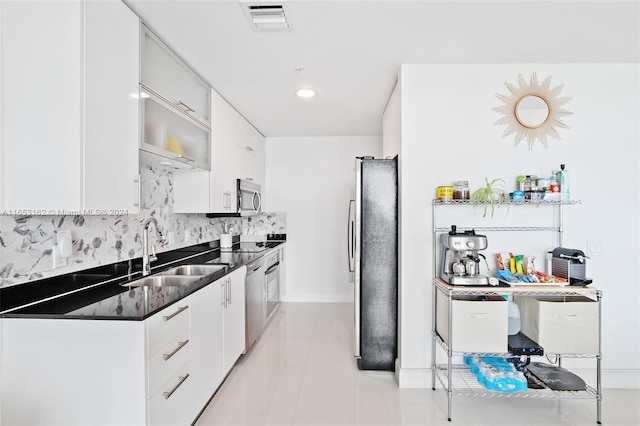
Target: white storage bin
[
  {"x": 561, "y": 325},
  {"x": 477, "y": 325}
]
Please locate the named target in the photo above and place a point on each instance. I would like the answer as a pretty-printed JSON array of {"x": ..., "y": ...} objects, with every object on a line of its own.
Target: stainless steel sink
[
  {"x": 191, "y": 270},
  {"x": 161, "y": 281}
]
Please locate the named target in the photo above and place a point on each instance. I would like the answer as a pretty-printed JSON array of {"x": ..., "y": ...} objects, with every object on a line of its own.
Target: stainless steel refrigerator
[{"x": 373, "y": 258}]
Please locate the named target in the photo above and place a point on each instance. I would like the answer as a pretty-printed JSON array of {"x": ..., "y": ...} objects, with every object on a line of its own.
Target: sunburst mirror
[{"x": 532, "y": 111}]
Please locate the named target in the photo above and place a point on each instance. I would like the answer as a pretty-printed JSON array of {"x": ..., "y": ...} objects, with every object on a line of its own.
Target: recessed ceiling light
[{"x": 306, "y": 93}]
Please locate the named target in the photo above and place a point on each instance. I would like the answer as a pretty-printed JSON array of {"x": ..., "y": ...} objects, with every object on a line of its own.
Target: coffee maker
[{"x": 461, "y": 257}]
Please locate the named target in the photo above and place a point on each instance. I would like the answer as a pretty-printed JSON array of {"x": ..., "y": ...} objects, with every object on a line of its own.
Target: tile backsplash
[{"x": 26, "y": 242}]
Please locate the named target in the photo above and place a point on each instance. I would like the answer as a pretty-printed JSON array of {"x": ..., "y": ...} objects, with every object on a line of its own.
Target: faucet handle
[{"x": 153, "y": 256}]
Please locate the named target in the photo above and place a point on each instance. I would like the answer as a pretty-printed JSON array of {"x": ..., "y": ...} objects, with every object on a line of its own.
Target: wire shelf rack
[{"x": 464, "y": 383}]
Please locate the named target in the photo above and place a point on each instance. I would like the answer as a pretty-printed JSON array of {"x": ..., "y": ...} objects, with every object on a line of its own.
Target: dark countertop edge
[{"x": 156, "y": 269}]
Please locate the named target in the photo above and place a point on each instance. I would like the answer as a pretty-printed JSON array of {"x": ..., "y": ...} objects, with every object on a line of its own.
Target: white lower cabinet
[
  {"x": 234, "y": 319},
  {"x": 206, "y": 347},
  {"x": 173, "y": 403},
  {"x": 73, "y": 372},
  {"x": 168, "y": 353},
  {"x": 160, "y": 371},
  {"x": 217, "y": 330}
]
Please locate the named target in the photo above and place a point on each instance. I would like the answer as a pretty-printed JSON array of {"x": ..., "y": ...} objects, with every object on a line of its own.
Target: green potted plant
[{"x": 490, "y": 195}]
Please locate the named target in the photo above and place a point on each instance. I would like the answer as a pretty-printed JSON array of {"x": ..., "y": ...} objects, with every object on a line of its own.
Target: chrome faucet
[{"x": 146, "y": 258}]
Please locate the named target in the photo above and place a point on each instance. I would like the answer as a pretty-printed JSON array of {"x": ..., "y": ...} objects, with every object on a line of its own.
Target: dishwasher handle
[
  {"x": 253, "y": 267},
  {"x": 272, "y": 268}
]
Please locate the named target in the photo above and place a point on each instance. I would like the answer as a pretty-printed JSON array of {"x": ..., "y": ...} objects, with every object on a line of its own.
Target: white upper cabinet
[
  {"x": 167, "y": 75},
  {"x": 176, "y": 107},
  {"x": 249, "y": 149},
  {"x": 237, "y": 152},
  {"x": 41, "y": 109},
  {"x": 69, "y": 122},
  {"x": 112, "y": 123},
  {"x": 223, "y": 164}
]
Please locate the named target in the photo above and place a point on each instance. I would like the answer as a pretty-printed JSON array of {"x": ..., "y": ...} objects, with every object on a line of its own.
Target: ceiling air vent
[{"x": 265, "y": 16}]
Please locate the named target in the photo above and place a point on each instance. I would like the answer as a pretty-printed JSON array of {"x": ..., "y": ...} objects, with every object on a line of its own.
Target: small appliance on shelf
[
  {"x": 570, "y": 264},
  {"x": 461, "y": 258}
]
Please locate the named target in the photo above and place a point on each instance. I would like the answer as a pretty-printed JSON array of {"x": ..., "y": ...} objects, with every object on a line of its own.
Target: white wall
[
  {"x": 311, "y": 179},
  {"x": 448, "y": 134}
]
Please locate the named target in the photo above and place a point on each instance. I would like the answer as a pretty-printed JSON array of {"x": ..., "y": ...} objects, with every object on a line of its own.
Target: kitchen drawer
[
  {"x": 160, "y": 370},
  {"x": 166, "y": 325},
  {"x": 561, "y": 325},
  {"x": 477, "y": 325},
  {"x": 172, "y": 403}
]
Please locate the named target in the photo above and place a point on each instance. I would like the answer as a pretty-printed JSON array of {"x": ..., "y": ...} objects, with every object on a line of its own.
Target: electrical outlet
[
  {"x": 594, "y": 248},
  {"x": 187, "y": 235}
]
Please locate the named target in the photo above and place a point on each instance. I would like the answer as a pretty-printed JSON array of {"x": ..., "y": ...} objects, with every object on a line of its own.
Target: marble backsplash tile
[{"x": 26, "y": 242}]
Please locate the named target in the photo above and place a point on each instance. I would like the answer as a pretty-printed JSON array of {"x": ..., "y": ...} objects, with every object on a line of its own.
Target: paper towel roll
[{"x": 226, "y": 240}]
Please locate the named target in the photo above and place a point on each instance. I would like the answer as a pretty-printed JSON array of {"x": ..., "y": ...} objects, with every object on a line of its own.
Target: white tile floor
[{"x": 302, "y": 372}]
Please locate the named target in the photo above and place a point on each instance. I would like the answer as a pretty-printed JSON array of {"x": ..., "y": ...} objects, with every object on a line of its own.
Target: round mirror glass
[{"x": 532, "y": 111}]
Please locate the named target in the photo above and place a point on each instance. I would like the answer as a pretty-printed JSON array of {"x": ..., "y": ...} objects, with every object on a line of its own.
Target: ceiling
[{"x": 351, "y": 50}]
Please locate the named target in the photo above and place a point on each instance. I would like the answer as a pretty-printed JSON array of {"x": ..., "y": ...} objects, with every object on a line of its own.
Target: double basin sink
[{"x": 180, "y": 275}]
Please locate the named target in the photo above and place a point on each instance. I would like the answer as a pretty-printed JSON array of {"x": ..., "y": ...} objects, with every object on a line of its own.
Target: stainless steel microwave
[{"x": 249, "y": 197}]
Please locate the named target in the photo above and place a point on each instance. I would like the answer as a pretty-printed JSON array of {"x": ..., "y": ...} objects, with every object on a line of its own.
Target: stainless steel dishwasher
[{"x": 254, "y": 288}]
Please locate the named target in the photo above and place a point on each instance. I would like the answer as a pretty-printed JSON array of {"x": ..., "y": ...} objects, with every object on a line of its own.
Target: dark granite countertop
[{"x": 102, "y": 292}]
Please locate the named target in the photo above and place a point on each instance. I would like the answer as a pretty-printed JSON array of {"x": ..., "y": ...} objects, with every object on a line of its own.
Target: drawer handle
[
  {"x": 168, "y": 394},
  {"x": 173, "y": 352},
  {"x": 480, "y": 315},
  {"x": 180, "y": 309}
]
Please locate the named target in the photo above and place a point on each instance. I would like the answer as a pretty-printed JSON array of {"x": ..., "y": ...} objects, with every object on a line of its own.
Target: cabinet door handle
[
  {"x": 187, "y": 107},
  {"x": 223, "y": 288},
  {"x": 181, "y": 379},
  {"x": 184, "y": 157},
  {"x": 180, "y": 309},
  {"x": 248, "y": 148},
  {"x": 228, "y": 292},
  {"x": 137, "y": 182},
  {"x": 173, "y": 352}
]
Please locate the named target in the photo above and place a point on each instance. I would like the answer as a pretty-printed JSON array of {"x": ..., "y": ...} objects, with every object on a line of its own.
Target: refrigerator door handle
[{"x": 351, "y": 239}]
